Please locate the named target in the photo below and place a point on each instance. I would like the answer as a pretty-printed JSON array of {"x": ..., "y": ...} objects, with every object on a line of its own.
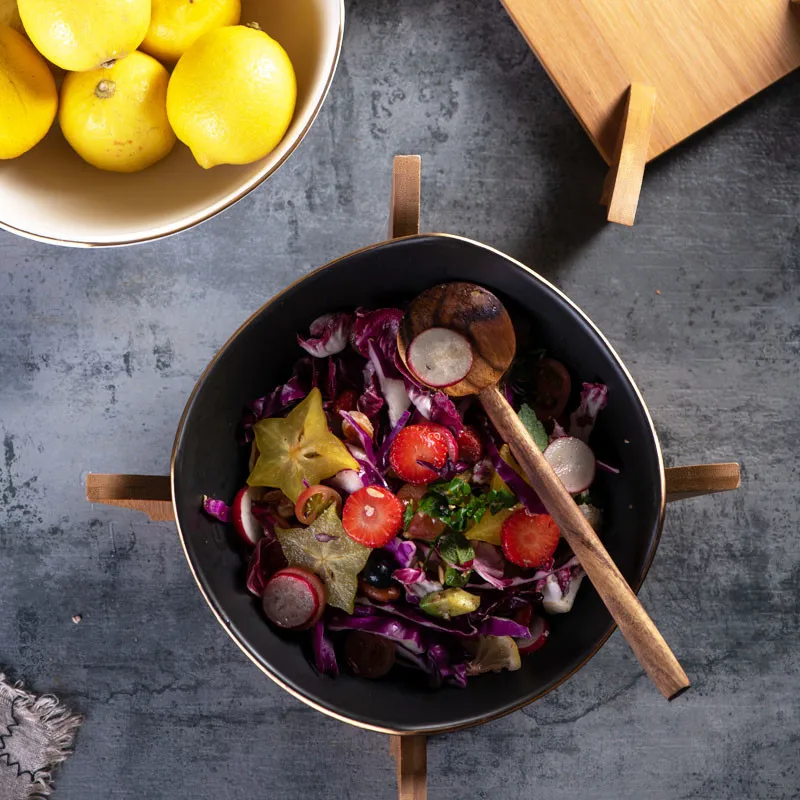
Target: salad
[{"x": 390, "y": 525}]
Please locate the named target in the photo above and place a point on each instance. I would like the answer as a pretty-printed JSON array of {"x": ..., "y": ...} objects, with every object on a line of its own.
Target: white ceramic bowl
[{"x": 51, "y": 194}]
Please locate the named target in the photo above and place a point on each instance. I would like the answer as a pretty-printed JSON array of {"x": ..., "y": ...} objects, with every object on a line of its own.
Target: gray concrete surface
[{"x": 99, "y": 351}]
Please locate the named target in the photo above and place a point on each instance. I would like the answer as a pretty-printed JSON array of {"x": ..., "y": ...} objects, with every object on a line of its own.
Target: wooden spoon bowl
[{"x": 476, "y": 314}]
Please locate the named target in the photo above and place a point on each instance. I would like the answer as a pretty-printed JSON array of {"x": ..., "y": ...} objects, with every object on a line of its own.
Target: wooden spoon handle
[{"x": 646, "y": 642}]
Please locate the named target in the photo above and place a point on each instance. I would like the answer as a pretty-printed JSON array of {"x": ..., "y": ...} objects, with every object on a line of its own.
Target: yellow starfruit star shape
[
  {"x": 298, "y": 447},
  {"x": 325, "y": 548}
]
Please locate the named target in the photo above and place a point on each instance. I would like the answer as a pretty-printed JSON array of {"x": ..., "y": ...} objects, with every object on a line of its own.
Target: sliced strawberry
[
  {"x": 529, "y": 540},
  {"x": 470, "y": 448},
  {"x": 372, "y": 516},
  {"x": 247, "y": 526},
  {"x": 417, "y": 446},
  {"x": 294, "y": 598},
  {"x": 452, "y": 443}
]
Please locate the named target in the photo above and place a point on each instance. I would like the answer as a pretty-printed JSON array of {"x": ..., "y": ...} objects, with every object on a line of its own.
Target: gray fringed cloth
[{"x": 35, "y": 735}]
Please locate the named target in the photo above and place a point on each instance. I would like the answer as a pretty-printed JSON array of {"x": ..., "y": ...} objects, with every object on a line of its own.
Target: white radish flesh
[
  {"x": 554, "y": 601},
  {"x": 294, "y": 598},
  {"x": 247, "y": 526},
  {"x": 440, "y": 357},
  {"x": 573, "y": 461}
]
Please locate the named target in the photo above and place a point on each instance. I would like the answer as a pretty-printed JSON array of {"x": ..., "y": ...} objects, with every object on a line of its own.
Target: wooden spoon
[{"x": 479, "y": 316}]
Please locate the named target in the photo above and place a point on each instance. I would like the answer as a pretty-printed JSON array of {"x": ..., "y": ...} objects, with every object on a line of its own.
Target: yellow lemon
[
  {"x": 116, "y": 118},
  {"x": 78, "y": 35},
  {"x": 231, "y": 96},
  {"x": 28, "y": 96},
  {"x": 175, "y": 25}
]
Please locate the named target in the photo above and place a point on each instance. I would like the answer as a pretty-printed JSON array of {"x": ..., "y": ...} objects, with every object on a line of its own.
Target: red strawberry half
[
  {"x": 372, "y": 516},
  {"x": 529, "y": 540},
  {"x": 417, "y": 446},
  {"x": 470, "y": 448}
]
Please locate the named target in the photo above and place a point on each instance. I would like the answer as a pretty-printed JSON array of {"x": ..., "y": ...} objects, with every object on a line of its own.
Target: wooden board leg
[
  {"x": 624, "y": 180},
  {"x": 404, "y": 209},
  {"x": 700, "y": 479},
  {"x": 411, "y": 758},
  {"x": 150, "y": 494}
]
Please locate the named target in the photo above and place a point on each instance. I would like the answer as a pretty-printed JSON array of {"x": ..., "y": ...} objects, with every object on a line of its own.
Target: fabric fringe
[{"x": 61, "y": 725}]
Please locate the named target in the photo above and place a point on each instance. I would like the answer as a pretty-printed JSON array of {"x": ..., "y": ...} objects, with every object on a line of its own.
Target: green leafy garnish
[
  {"x": 456, "y": 579},
  {"x": 408, "y": 514},
  {"x": 534, "y": 425},
  {"x": 454, "y": 503},
  {"x": 455, "y": 548}
]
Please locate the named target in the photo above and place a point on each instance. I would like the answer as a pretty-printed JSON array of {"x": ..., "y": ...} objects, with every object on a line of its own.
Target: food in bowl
[
  {"x": 230, "y": 98},
  {"x": 390, "y": 524}
]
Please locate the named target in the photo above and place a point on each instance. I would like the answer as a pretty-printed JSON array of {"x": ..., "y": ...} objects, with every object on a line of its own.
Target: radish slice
[
  {"x": 294, "y": 598},
  {"x": 247, "y": 526},
  {"x": 573, "y": 461},
  {"x": 540, "y": 630},
  {"x": 440, "y": 357}
]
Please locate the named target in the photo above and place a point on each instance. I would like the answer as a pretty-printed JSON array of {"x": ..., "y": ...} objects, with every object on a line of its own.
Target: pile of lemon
[{"x": 230, "y": 96}]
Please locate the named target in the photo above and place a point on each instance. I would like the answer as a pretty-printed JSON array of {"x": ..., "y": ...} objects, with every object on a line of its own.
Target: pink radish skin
[
  {"x": 294, "y": 598},
  {"x": 540, "y": 631},
  {"x": 573, "y": 461},
  {"x": 440, "y": 357},
  {"x": 247, "y": 526}
]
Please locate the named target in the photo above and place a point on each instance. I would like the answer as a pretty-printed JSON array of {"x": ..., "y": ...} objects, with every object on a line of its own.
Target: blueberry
[{"x": 379, "y": 569}]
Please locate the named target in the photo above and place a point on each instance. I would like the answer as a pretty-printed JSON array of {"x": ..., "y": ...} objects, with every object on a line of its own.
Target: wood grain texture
[
  {"x": 476, "y": 314},
  {"x": 633, "y": 621},
  {"x": 405, "y": 201},
  {"x": 701, "y": 479},
  {"x": 703, "y": 57},
  {"x": 627, "y": 172},
  {"x": 149, "y": 494},
  {"x": 411, "y": 759}
]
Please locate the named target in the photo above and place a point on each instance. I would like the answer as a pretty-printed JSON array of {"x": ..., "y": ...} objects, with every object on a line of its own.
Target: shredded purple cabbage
[
  {"x": 265, "y": 561},
  {"x": 328, "y": 335},
  {"x": 393, "y": 388},
  {"x": 489, "y": 564},
  {"x": 594, "y": 397},
  {"x": 404, "y": 551},
  {"x": 379, "y": 326},
  {"x": 435, "y": 406},
  {"x": 217, "y": 509},
  {"x": 324, "y": 652},
  {"x": 403, "y": 632}
]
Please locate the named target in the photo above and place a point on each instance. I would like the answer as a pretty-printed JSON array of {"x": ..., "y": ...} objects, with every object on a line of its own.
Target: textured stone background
[{"x": 99, "y": 351}]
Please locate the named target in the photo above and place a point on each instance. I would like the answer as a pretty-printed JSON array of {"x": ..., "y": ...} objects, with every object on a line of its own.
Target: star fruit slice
[
  {"x": 297, "y": 447},
  {"x": 325, "y": 548}
]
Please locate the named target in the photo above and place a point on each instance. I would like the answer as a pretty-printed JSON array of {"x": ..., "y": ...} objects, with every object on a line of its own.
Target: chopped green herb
[
  {"x": 534, "y": 425},
  {"x": 408, "y": 515},
  {"x": 455, "y": 505},
  {"x": 455, "y": 548},
  {"x": 456, "y": 579}
]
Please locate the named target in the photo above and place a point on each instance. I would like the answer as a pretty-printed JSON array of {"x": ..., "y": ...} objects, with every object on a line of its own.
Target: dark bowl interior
[{"x": 207, "y": 460}]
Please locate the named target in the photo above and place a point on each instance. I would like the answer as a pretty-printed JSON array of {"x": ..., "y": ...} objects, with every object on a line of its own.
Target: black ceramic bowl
[{"x": 207, "y": 460}]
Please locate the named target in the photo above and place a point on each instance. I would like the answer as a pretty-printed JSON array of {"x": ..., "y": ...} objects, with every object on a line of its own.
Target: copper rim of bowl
[
  {"x": 219, "y": 207},
  {"x": 276, "y": 678}
]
